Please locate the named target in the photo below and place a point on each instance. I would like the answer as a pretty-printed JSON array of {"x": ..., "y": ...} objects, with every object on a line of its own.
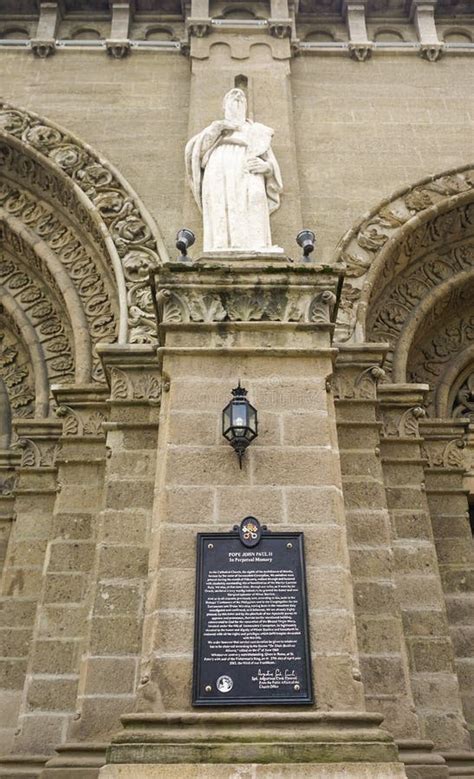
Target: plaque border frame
[{"x": 197, "y": 698}]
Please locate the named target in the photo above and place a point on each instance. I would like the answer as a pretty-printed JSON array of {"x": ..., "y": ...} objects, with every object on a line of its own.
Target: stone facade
[{"x": 360, "y": 364}]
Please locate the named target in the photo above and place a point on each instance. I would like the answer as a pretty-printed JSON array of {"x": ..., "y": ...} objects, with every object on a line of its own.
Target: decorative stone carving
[
  {"x": 431, "y": 51},
  {"x": 402, "y": 423},
  {"x": 439, "y": 454},
  {"x": 280, "y": 28},
  {"x": 114, "y": 218},
  {"x": 42, "y": 309},
  {"x": 81, "y": 422},
  {"x": 236, "y": 305},
  {"x": 464, "y": 403},
  {"x": 83, "y": 268},
  {"x": 34, "y": 455},
  {"x": 235, "y": 179},
  {"x": 137, "y": 386},
  {"x": 452, "y": 338},
  {"x": 360, "y": 51},
  {"x": 43, "y": 49},
  {"x": 16, "y": 374},
  {"x": 389, "y": 230},
  {"x": 118, "y": 49},
  {"x": 361, "y": 387}
]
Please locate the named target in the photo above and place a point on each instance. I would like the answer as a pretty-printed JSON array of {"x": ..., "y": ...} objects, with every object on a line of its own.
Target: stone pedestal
[{"x": 269, "y": 325}]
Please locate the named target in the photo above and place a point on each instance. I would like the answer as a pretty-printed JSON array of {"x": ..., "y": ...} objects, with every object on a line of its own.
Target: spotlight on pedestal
[
  {"x": 306, "y": 239},
  {"x": 239, "y": 422},
  {"x": 184, "y": 239}
]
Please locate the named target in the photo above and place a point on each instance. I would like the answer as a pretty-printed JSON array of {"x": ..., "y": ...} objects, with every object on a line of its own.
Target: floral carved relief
[
  {"x": 271, "y": 305},
  {"x": 44, "y": 314},
  {"x": 16, "y": 374},
  {"x": 54, "y": 162},
  {"x": 463, "y": 407},
  {"x": 391, "y": 230},
  {"x": 83, "y": 269}
]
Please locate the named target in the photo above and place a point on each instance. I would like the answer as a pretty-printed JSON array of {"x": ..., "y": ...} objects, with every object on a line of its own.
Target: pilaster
[
  {"x": 34, "y": 450},
  {"x": 443, "y": 450},
  {"x": 383, "y": 654},
  {"x": 49, "y": 695},
  {"x": 268, "y": 325},
  {"x": 112, "y": 643},
  {"x": 433, "y": 678}
]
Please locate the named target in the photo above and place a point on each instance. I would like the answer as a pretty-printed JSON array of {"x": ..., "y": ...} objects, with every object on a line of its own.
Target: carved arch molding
[
  {"x": 410, "y": 283},
  {"x": 76, "y": 246}
]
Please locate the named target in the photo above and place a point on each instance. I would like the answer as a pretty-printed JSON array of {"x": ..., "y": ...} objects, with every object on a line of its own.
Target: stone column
[
  {"x": 445, "y": 468},
  {"x": 49, "y": 695},
  {"x": 383, "y": 654},
  {"x": 35, "y": 492},
  {"x": 9, "y": 462},
  {"x": 433, "y": 677},
  {"x": 115, "y": 605},
  {"x": 269, "y": 326}
]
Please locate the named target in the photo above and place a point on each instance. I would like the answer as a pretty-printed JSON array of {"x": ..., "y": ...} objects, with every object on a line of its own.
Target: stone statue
[{"x": 235, "y": 179}]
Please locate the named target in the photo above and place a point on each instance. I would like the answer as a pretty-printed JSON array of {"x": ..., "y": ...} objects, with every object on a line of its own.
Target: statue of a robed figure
[{"x": 235, "y": 180}]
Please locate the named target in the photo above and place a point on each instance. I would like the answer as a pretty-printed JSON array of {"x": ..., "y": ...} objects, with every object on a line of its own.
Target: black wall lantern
[{"x": 239, "y": 422}]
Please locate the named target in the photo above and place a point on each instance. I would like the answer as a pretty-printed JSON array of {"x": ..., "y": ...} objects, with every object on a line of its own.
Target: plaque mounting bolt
[
  {"x": 297, "y": 687},
  {"x": 289, "y": 546},
  {"x": 208, "y": 688},
  {"x": 210, "y": 546}
]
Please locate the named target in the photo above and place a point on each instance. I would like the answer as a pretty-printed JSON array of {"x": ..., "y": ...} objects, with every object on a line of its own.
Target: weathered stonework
[{"x": 116, "y": 360}]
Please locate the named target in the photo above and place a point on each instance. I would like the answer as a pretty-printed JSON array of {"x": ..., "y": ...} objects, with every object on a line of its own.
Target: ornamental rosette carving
[{"x": 114, "y": 214}]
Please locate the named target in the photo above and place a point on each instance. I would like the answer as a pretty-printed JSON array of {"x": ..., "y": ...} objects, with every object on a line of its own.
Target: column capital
[
  {"x": 83, "y": 409},
  {"x": 444, "y": 443},
  {"x": 37, "y": 441},
  {"x": 358, "y": 370}
]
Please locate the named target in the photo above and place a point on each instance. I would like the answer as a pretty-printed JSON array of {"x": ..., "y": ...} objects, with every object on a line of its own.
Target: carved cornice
[{"x": 265, "y": 294}]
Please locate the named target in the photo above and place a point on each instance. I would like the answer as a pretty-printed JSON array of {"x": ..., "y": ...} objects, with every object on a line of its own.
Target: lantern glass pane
[
  {"x": 226, "y": 420},
  {"x": 252, "y": 419},
  {"x": 239, "y": 417}
]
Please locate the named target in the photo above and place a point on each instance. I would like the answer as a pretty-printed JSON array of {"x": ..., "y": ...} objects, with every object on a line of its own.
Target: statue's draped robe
[{"x": 235, "y": 204}]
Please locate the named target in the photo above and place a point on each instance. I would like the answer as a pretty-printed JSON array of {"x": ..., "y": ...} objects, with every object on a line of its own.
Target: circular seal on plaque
[
  {"x": 224, "y": 684},
  {"x": 250, "y": 531}
]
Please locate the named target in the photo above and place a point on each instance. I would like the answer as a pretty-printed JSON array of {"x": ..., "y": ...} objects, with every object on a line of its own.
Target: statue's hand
[
  {"x": 257, "y": 165},
  {"x": 224, "y": 124}
]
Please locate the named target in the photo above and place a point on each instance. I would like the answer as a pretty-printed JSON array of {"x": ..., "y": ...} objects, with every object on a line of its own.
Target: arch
[
  {"x": 388, "y": 34},
  {"x": 320, "y": 35},
  {"x": 457, "y": 35},
  {"x": 159, "y": 32},
  {"x": 411, "y": 283},
  {"x": 85, "y": 34},
  {"x": 389, "y": 236},
  {"x": 70, "y": 175}
]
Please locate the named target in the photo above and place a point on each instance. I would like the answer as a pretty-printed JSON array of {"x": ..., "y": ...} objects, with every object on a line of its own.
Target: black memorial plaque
[{"x": 251, "y": 643}]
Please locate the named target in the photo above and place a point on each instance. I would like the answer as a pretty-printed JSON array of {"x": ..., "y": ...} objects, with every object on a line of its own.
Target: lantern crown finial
[{"x": 239, "y": 391}]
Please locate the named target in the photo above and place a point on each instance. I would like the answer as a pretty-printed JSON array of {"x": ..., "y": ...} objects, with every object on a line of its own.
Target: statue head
[{"x": 235, "y": 106}]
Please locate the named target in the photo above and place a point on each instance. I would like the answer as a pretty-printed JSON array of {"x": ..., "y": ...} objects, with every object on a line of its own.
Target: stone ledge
[
  {"x": 253, "y": 771},
  {"x": 252, "y": 737}
]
